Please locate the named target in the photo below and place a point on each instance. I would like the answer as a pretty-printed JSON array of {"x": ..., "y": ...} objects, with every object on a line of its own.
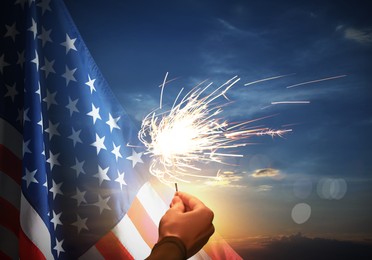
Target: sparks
[
  {"x": 266, "y": 79},
  {"x": 192, "y": 133},
  {"x": 291, "y": 102},
  {"x": 315, "y": 81}
]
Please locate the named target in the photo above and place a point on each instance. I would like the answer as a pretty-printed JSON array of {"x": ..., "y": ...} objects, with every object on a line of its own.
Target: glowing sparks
[
  {"x": 266, "y": 79},
  {"x": 192, "y": 133},
  {"x": 290, "y": 102},
  {"x": 315, "y": 81},
  {"x": 162, "y": 89}
]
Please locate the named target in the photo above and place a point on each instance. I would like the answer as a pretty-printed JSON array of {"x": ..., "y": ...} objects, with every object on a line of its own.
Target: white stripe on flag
[
  {"x": 9, "y": 190},
  {"x": 11, "y": 138},
  {"x": 34, "y": 228},
  {"x": 129, "y": 236},
  {"x": 9, "y": 245},
  {"x": 152, "y": 202}
]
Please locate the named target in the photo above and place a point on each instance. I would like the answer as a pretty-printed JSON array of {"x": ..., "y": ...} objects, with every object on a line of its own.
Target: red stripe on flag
[
  {"x": 10, "y": 164},
  {"x": 143, "y": 223},
  {"x": 110, "y": 248},
  {"x": 4, "y": 256},
  {"x": 27, "y": 249},
  {"x": 217, "y": 248},
  {"x": 9, "y": 217}
]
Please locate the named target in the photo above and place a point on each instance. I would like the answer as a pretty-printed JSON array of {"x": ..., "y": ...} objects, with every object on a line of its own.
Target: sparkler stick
[{"x": 192, "y": 133}]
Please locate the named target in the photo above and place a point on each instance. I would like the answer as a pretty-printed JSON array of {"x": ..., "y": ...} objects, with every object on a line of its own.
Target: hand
[{"x": 188, "y": 219}]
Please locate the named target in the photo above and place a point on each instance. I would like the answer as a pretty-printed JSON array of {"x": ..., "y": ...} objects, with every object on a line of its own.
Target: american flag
[{"x": 70, "y": 185}]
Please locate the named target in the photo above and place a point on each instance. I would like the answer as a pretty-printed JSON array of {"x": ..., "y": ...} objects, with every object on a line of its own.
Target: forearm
[{"x": 169, "y": 248}]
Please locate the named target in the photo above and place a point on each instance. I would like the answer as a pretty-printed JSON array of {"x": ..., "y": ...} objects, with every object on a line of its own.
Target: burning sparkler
[{"x": 192, "y": 132}]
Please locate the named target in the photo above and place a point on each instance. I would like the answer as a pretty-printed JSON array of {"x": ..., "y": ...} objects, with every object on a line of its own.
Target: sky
[{"x": 313, "y": 186}]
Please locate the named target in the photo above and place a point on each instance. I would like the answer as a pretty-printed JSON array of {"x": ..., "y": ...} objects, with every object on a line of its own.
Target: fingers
[
  {"x": 190, "y": 202},
  {"x": 211, "y": 230},
  {"x": 177, "y": 204}
]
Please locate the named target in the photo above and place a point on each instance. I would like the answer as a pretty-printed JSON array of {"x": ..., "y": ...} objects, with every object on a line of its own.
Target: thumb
[{"x": 177, "y": 204}]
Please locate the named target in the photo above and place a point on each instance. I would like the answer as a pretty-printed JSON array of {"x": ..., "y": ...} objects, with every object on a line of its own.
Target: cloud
[
  {"x": 266, "y": 172},
  {"x": 362, "y": 36},
  {"x": 229, "y": 61},
  {"x": 265, "y": 188},
  {"x": 301, "y": 247},
  {"x": 228, "y": 30},
  {"x": 226, "y": 179},
  {"x": 218, "y": 64},
  {"x": 229, "y": 27},
  {"x": 139, "y": 105}
]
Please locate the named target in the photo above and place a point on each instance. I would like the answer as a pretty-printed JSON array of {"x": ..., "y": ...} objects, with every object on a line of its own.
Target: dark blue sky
[{"x": 135, "y": 43}]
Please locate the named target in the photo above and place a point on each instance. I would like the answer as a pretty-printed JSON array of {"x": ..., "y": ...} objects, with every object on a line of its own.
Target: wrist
[
  {"x": 176, "y": 241},
  {"x": 172, "y": 246}
]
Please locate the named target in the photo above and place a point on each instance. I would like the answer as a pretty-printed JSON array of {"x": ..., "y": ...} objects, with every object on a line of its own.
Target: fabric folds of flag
[{"x": 70, "y": 185}]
